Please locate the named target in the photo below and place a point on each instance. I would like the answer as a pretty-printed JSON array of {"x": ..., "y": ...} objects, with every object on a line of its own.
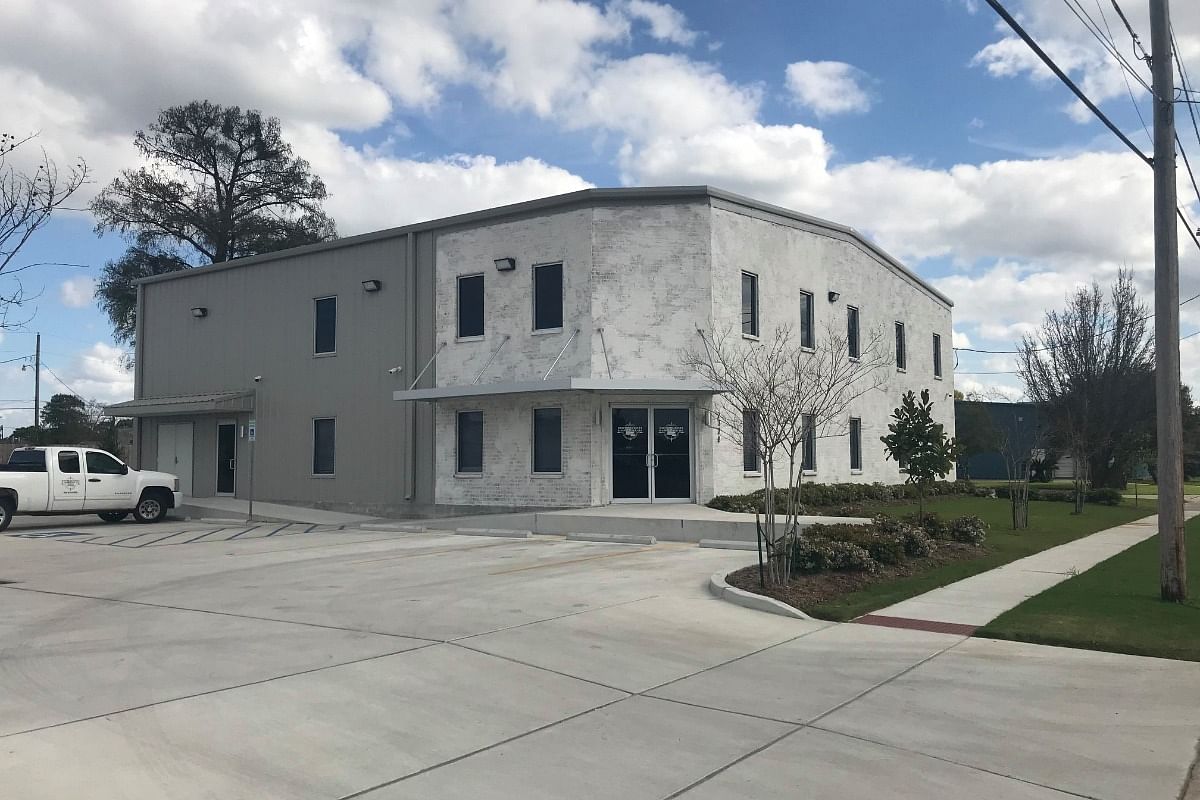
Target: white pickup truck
[{"x": 81, "y": 480}]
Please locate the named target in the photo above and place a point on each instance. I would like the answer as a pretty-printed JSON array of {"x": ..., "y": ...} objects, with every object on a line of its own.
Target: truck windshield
[{"x": 28, "y": 458}]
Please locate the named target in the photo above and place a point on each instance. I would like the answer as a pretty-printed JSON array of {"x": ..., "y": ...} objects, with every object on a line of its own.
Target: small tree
[
  {"x": 918, "y": 444},
  {"x": 1024, "y": 449},
  {"x": 793, "y": 392}
]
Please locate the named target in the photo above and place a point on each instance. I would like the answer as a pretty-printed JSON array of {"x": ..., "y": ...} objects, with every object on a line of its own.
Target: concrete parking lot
[{"x": 191, "y": 661}]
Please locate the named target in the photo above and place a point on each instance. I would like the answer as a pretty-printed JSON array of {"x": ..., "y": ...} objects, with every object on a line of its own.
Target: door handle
[
  {"x": 93, "y": 480},
  {"x": 233, "y": 463}
]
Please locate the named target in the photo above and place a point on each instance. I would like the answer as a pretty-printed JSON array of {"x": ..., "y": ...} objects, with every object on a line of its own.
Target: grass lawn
[
  {"x": 1143, "y": 487},
  {"x": 1050, "y": 524},
  {"x": 1113, "y": 606}
]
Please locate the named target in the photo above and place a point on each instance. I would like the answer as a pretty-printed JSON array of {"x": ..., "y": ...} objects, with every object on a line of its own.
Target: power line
[
  {"x": 1124, "y": 77},
  {"x": 1062, "y": 76},
  {"x": 18, "y": 358},
  {"x": 1108, "y": 44},
  {"x": 64, "y": 383},
  {"x": 1137, "y": 43}
]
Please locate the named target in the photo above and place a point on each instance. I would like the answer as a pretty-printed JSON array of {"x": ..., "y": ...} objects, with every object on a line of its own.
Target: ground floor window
[
  {"x": 855, "y": 444},
  {"x": 809, "y": 451},
  {"x": 469, "y": 443},
  {"x": 323, "y": 445},
  {"x": 547, "y": 440},
  {"x": 750, "y": 462}
]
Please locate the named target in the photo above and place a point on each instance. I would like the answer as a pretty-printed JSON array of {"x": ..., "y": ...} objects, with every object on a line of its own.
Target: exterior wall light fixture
[
  {"x": 833, "y": 296},
  {"x": 372, "y": 285},
  {"x": 199, "y": 312},
  {"x": 506, "y": 264}
]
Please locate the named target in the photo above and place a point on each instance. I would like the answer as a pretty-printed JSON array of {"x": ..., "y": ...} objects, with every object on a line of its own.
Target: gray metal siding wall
[{"x": 260, "y": 322}]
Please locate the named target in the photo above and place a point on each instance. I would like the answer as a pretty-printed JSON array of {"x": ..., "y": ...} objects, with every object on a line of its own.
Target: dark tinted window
[
  {"x": 68, "y": 461},
  {"x": 749, "y": 304},
  {"x": 852, "y": 331},
  {"x": 750, "y": 440},
  {"x": 31, "y": 458},
  {"x": 470, "y": 442},
  {"x": 102, "y": 464},
  {"x": 323, "y": 445},
  {"x": 547, "y": 297},
  {"x": 937, "y": 355},
  {"x": 901, "y": 352},
  {"x": 547, "y": 440},
  {"x": 855, "y": 443},
  {"x": 809, "y": 458},
  {"x": 470, "y": 306},
  {"x": 808, "y": 336},
  {"x": 325, "y": 340}
]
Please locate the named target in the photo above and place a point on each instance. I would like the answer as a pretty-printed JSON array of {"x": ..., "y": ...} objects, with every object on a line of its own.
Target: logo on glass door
[
  {"x": 631, "y": 431},
  {"x": 671, "y": 431}
]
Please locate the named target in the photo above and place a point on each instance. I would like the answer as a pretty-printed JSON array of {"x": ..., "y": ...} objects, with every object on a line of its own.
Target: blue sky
[{"x": 922, "y": 124}]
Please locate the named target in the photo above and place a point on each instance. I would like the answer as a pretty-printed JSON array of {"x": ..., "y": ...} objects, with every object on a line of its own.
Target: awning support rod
[
  {"x": 560, "y": 353},
  {"x": 604, "y": 349},
  {"x": 491, "y": 358},
  {"x": 425, "y": 368}
]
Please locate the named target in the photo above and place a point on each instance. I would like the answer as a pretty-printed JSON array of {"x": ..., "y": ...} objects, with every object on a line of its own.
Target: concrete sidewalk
[
  {"x": 236, "y": 508},
  {"x": 971, "y": 603}
]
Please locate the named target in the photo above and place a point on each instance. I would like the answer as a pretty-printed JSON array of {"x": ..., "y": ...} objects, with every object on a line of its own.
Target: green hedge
[
  {"x": 844, "y": 547},
  {"x": 835, "y": 495},
  {"x": 1104, "y": 497}
]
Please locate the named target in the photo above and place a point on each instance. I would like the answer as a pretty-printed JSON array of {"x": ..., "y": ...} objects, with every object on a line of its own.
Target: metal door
[{"x": 226, "y": 458}]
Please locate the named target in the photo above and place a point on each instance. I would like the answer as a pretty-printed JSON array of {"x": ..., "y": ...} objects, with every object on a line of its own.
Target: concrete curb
[
  {"x": 227, "y": 520},
  {"x": 499, "y": 532},
  {"x": 391, "y": 526},
  {"x": 611, "y": 538},
  {"x": 728, "y": 544},
  {"x": 722, "y": 590}
]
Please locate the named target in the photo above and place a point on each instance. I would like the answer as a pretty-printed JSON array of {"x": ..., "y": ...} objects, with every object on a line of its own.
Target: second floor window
[
  {"x": 470, "y": 306},
  {"x": 937, "y": 355},
  {"x": 325, "y": 334},
  {"x": 808, "y": 334},
  {"x": 852, "y": 332},
  {"x": 901, "y": 351},
  {"x": 749, "y": 304},
  {"x": 547, "y": 297}
]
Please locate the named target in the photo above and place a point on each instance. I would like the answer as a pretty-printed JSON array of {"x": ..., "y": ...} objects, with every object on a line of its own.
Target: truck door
[
  {"x": 109, "y": 484},
  {"x": 66, "y": 482}
]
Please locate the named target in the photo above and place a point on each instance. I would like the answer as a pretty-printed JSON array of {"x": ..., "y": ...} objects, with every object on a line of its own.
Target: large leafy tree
[
  {"x": 219, "y": 183},
  {"x": 919, "y": 444},
  {"x": 1091, "y": 370}
]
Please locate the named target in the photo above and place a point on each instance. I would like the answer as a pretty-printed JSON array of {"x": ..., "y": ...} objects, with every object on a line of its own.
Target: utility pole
[
  {"x": 37, "y": 389},
  {"x": 1172, "y": 556}
]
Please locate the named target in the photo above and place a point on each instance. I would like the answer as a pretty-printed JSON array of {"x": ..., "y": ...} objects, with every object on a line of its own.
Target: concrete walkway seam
[
  {"x": 723, "y": 591},
  {"x": 728, "y": 544}
]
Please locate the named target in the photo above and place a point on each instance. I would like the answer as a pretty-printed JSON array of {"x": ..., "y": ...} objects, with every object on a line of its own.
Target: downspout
[{"x": 410, "y": 359}]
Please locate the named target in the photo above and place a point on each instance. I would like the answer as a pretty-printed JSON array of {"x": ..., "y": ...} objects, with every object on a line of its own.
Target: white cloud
[
  {"x": 96, "y": 374},
  {"x": 828, "y": 87},
  {"x": 666, "y": 23},
  {"x": 652, "y": 95},
  {"x": 374, "y": 191},
  {"x": 77, "y": 292},
  {"x": 961, "y": 339}
]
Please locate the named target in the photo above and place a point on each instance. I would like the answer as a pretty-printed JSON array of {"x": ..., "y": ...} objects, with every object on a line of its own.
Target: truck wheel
[
  {"x": 151, "y": 508},
  {"x": 113, "y": 516},
  {"x": 7, "y": 509}
]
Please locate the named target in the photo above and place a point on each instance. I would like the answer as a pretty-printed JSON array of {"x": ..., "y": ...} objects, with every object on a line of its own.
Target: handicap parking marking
[
  {"x": 44, "y": 534},
  {"x": 189, "y": 535}
]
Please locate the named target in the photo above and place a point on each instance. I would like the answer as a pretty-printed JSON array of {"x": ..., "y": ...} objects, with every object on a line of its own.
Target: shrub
[
  {"x": 839, "y": 497},
  {"x": 968, "y": 529},
  {"x": 821, "y": 555},
  {"x": 917, "y": 543},
  {"x": 1104, "y": 497},
  {"x": 931, "y": 523},
  {"x": 885, "y": 546}
]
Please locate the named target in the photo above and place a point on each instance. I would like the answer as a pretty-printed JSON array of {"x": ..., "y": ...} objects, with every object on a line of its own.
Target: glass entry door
[
  {"x": 652, "y": 455},
  {"x": 226, "y": 458}
]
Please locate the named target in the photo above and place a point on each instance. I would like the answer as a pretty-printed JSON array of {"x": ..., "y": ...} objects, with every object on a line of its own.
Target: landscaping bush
[
  {"x": 822, "y": 555},
  {"x": 885, "y": 545},
  {"x": 931, "y": 523},
  {"x": 968, "y": 529},
  {"x": 917, "y": 543},
  {"x": 838, "y": 497},
  {"x": 1104, "y": 497}
]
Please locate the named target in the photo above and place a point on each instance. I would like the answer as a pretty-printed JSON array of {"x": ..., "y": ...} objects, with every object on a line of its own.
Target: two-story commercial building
[{"x": 528, "y": 355}]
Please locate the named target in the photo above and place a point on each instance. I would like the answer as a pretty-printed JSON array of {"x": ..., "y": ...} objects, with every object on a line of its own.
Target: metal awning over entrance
[
  {"x": 612, "y": 385},
  {"x": 183, "y": 405}
]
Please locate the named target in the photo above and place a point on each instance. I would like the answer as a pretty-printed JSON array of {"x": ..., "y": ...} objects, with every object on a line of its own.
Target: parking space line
[
  {"x": 163, "y": 539},
  {"x": 206, "y": 533}
]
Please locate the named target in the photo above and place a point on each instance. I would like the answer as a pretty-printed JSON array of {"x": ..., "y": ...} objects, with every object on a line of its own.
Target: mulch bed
[{"x": 808, "y": 591}]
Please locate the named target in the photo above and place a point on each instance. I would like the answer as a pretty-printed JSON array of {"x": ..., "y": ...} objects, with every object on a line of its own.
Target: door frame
[
  {"x": 650, "y": 408},
  {"x": 217, "y": 460}
]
